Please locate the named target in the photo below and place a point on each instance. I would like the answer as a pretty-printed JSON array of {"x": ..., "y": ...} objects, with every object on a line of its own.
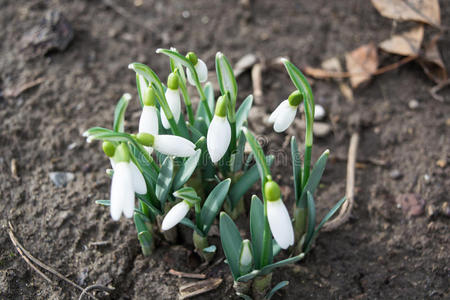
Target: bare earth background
[{"x": 380, "y": 254}]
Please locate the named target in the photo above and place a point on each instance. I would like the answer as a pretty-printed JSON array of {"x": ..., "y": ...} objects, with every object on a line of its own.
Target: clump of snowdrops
[{"x": 187, "y": 168}]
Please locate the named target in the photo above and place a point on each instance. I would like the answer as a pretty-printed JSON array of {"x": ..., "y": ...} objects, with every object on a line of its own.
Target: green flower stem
[
  {"x": 267, "y": 238},
  {"x": 198, "y": 211},
  {"x": 306, "y": 165},
  {"x": 201, "y": 243},
  {"x": 261, "y": 286},
  {"x": 299, "y": 227},
  {"x": 146, "y": 155},
  {"x": 203, "y": 98},
  {"x": 186, "y": 98}
]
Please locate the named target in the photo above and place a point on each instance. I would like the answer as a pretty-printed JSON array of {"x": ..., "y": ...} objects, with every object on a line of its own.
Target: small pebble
[
  {"x": 319, "y": 112},
  {"x": 321, "y": 129},
  {"x": 413, "y": 104},
  {"x": 395, "y": 174},
  {"x": 72, "y": 146},
  {"x": 185, "y": 14},
  {"x": 441, "y": 163},
  {"x": 61, "y": 178},
  {"x": 445, "y": 208}
]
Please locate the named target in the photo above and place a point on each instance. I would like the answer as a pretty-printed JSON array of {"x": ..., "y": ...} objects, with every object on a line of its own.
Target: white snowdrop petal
[
  {"x": 319, "y": 112},
  {"x": 202, "y": 70},
  {"x": 276, "y": 112},
  {"x": 280, "y": 223},
  {"x": 285, "y": 117},
  {"x": 175, "y": 215},
  {"x": 190, "y": 77},
  {"x": 148, "y": 122},
  {"x": 122, "y": 191},
  {"x": 174, "y": 145},
  {"x": 139, "y": 184},
  {"x": 174, "y": 102},
  {"x": 218, "y": 138}
]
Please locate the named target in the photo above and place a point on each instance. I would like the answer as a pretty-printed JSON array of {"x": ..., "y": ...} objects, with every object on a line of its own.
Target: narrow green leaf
[
  {"x": 301, "y": 83},
  {"x": 144, "y": 236},
  {"x": 245, "y": 182},
  {"x": 119, "y": 112},
  {"x": 248, "y": 276},
  {"x": 164, "y": 182},
  {"x": 256, "y": 225},
  {"x": 148, "y": 172},
  {"x": 176, "y": 64},
  {"x": 190, "y": 224},
  {"x": 259, "y": 155},
  {"x": 148, "y": 74},
  {"x": 140, "y": 80},
  {"x": 314, "y": 178},
  {"x": 186, "y": 170},
  {"x": 225, "y": 77},
  {"x": 213, "y": 204},
  {"x": 238, "y": 156},
  {"x": 269, "y": 268},
  {"x": 242, "y": 113},
  {"x": 311, "y": 218},
  {"x": 275, "y": 289},
  {"x": 296, "y": 168},
  {"x": 103, "y": 202},
  {"x": 178, "y": 58},
  {"x": 188, "y": 194},
  {"x": 244, "y": 296},
  {"x": 231, "y": 243}
]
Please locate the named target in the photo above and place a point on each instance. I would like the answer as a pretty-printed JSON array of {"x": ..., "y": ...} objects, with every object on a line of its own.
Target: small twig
[
  {"x": 372, "y": 161},
  {"x": 347, "y": 207},
  {"x": 127, "y": 15},
  {"x": 99, "y": 243},
  {"x": 14, "y": 169},
  {"x": 199, "y": 287},
  {"x": 434, "y": 90},
  {"x": 257, "y": 83},
  {"x": 41, "y": 264},
  {"x": 395, "y": 65},
  {"x": 14, "y": 92},
  {"x": 95, "y": 287},
  {"x": 180, "y": 274}
]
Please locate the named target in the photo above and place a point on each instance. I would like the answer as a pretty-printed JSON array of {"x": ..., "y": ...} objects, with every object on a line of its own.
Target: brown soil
[{"x": 380, "y": 254}]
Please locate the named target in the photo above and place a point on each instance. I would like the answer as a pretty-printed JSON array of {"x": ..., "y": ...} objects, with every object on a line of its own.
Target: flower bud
[
  {"x": 172, "y": 81},
  {"x": 145, "y": 139},
  {"x": 149, "y": 97},
  {"x": 192, "y": 58},
  {"x": 108, "y": 148},
  {"x": 295, "y": 98},
  {"x": 272, "y": 191},
  {"x": 246, "y": 258}
]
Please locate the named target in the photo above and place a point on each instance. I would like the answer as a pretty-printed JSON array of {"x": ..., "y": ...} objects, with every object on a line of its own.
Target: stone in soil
[{"x": 61, "y": 179}]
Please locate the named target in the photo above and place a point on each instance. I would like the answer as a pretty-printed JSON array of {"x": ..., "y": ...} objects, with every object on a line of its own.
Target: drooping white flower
[
  {"x": 219, "y": 132},
  {"x": 200, "y": 68},
  {"x": 139, "y": 184},
  {"x": 173, "y": 145},
  {"x": 283, "y": 116},
  {"x": 175, "y": 215},
  {"x": 278, "y": 216},
  {"x": 173, "y": 100}
]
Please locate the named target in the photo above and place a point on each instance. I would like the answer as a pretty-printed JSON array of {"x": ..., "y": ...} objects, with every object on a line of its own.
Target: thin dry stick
[
  {"x": 347, "y": 207},
  {"x": 95, "y": 287},
  {"x": 23, "y": 87},
  {"x": 200, "y": 287},
  {"x": 186, "y": 275},
  {"x": 257, "y": 83},
  {"x": 127, "y": 15},
  {"x": 434, "y": 90},
  {"x": 41, "y": 264}
]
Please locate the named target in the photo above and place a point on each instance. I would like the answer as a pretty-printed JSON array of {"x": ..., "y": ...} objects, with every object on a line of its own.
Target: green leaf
[
  {"x": 176, "y": 64},
  {"x": 244, "y": 296},
  {"x": 225, "y": 77},
  {"x": 213, "y": 204},
  {"x": 245, "y": 182},
  {"x": 269, "y": 268},
  {"x": 249, "y": 276},
  {"x": 164, "y": 182},
  {"x": 190, "y": 224},
  {"x": 103, "y": 202},
  {"x": 242, "y": 113},
  {"x": 99, "y": 133},
  {"x": 256, "y": 225},
  {"x": 140, "y": 80},
  {"x": 311, "y": 218},
  {"x": 119, "y": 112},
  {"x": 148, "y": 172},
  {"x": 231, "y": 243},
  {"x": 314, "y": 178},
  {"x": 275, "y": 289},
  {"x": 324, "y": 220},
  {"x": 301, "y": 83},
  {"x": 259, "y": 156},
  {"x": 188, "y": 194},
  {"x": 296, "y": 168},
  {"x": 237, "y": 158},
  {"x": 186, "y": 170},
  {"x": 148, "y": 74},
  {"x": 178, "y": 59},
  {"x": 144, "y": 236}
]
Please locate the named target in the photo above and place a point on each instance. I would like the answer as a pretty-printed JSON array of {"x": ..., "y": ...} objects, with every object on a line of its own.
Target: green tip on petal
[
  {"x": 122, "y": 153},
  {"x": 272, "y": 191},
  {"x": 172, "y": 81},
  {"x": 221, "y": 106},
  {"x": 145, "y": 139},
  {"x": 108, "y": 148},
  {"x": 295, "y": 98},
  {"x": 150, "y": 97},
  {"x": 192, "y": 58}
]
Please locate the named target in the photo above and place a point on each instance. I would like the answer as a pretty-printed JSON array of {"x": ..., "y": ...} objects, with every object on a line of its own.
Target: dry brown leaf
[
  {"x": 426, "y": 11},
  {"x": 361, "y": 64},
  {"x": 432, "y": 63},
  {"x": 323, "y": 74},
  {"x": 407, "y": 43}
]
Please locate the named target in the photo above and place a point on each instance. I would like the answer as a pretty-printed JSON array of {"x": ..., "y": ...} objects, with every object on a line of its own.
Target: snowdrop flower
[
  {"x": 278, "y": 216},
  {"x": 167, "y": 144},
  {"x": 175, "y": 215},
  {"x": 173, "y": 100},
  {"x": 122, "y": 189},
  {"x": 219, "y": 132},
  {"x": 139, "y": 184},
  {"x": 284, "y": 114},
  {"x": 200, "y": 68},
  {"x": 246, "y": 258},
  {"x": 148, "y": 122}
]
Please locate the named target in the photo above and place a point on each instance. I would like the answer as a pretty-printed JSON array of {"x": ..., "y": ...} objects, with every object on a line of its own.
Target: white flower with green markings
[
  {"x": 219, "y": 132},
  {"x": 278, "y": 216},
  {"x": 200, "y": 68},
  {"x": 173, "y": 100},
  {"x": 168, "y": 144},
  {"x": 148, "y": 123},
  {"x": 283, "y": 116}
]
